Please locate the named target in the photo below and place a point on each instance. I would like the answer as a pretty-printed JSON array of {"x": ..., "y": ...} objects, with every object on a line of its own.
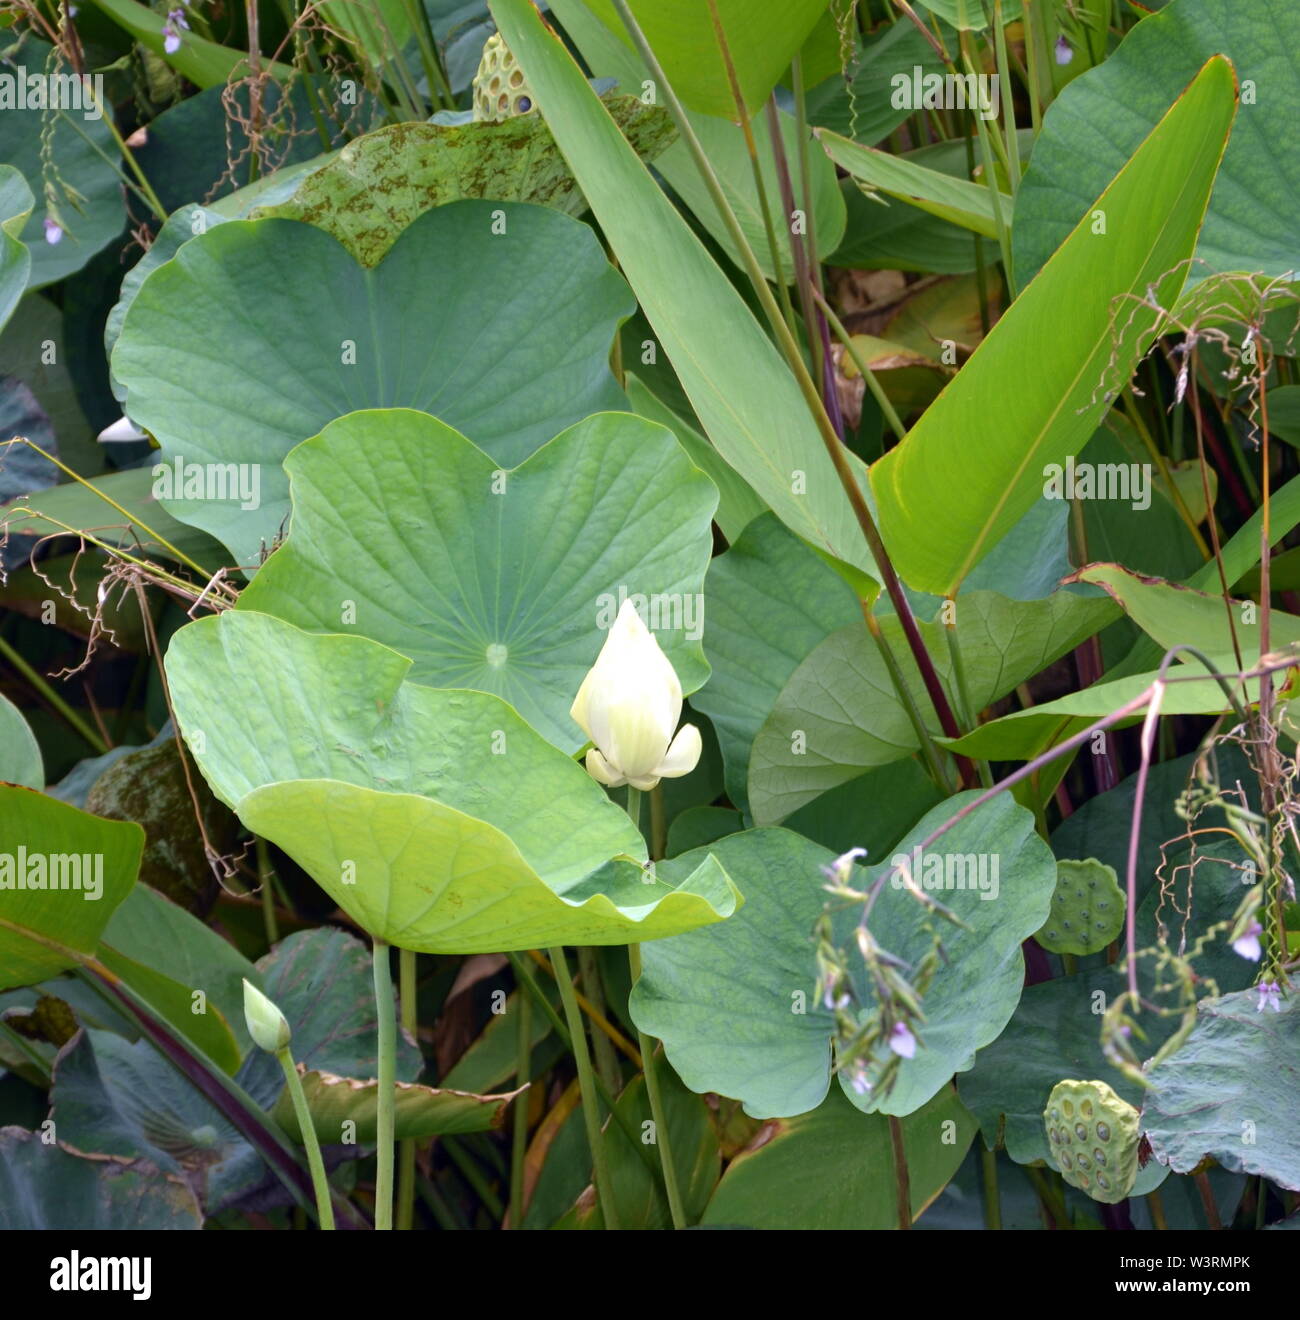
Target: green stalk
[
  {"x": 406, "y": 997},
  {"x": 523, "y": 1075},
  {"x": 1008, "y": 99},
  {"x": 586, "y": 1084},
  {"x": 526, "y": 979},
  {"x": 311, "y": 1142},
  {"x": 51, "y": 696},
  {"x": 676, "y": 1207},
  {"x": 663, "y": 1143},
  {"x": 269, "y": 923},
  {"x": 387, "y": 1046},
  {"x": 606, "y": 1060}
]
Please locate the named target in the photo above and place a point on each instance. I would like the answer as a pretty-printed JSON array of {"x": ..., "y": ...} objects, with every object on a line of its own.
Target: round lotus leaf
[
  {"x": 1093, "y": 1136},
  {"x": 1087, "y": 908}
]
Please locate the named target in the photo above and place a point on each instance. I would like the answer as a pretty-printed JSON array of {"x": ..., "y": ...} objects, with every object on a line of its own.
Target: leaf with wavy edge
[{"x": 437, "y": 819}]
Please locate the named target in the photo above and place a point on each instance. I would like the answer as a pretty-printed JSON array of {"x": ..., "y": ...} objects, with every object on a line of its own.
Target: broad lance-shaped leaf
[
  {"x": 437, "y": 819},
  {"x": 956, "y": 200},
  {"x": 737, "y": 381},
  {"x": 735, "y": 1005},
  {"x": 1023, "y": 734},
  {"x": 502, "y": 581},
  {"x": 1100, "y": 118},
  {"x": 974, "y": 462},
  {"x": 204, "y": 63},
  {"x": 62, "y": 873},
  {"x": 725, "y": 143},
  {"x": 762, "y": 36},
  {"x": 458, "y": 319},
  {"x": 1172, "y": 614}
]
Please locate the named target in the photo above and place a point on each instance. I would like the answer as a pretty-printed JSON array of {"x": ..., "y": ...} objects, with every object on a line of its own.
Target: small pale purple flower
[
  {"x": 902, "y": 1042},
  {"x": 1270, "y": 996},
  {"x": 53, "y": 231},
  {"x": 858, "y": 1079},
  {"x": 1064, "y": 51},
  {"x": 171, "y": 30},
  {"x": 1248, "y": 945}
]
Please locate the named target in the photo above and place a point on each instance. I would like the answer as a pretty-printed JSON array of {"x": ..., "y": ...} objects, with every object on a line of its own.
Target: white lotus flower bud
[
  {"x": 629, "y": 704},
  {"x": 266, "y": 1024}
]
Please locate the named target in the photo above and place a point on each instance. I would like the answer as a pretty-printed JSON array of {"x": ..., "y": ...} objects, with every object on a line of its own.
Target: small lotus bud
[{"x": 266, "y": 1024}]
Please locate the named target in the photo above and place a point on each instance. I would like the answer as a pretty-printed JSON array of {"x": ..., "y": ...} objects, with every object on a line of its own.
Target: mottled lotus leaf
[
  {"x": 1087, "y": 908},
  {"x": 43, "y": 1186},
  {"x": 379, "y": 183},
  {"x": 1094, "y": 1139}
]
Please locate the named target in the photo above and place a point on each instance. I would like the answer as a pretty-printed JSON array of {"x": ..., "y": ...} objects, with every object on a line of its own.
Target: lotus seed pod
[
  {"x": 500, "y": 88},
  {"x": 1093, "y": 1135},
  {"x": 1087, "y": 908}
]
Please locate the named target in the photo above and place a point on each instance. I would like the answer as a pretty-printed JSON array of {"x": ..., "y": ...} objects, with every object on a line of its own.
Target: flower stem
[
  {"x": 523, "y": 1075},
  {"x": 406, "y": 997},
  {"x": 586, "y": 1084},
  {"x": 662, "y": 1141},
  {"x": 311, "y": 1142},
  {"x": 387, "y": 1031}
]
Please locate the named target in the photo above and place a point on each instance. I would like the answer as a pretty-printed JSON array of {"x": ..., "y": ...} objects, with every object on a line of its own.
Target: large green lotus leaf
[
  {"x": 1055, "y": 1032},
  {"x": 379, "y": 183},
  {"x": 834, "y": 1168},
  {"x": 438, "y": 819},
  {"x": 501, "y": 581},
  {"x": 115, "y": 1098},
  {"x": 20, "y": 754},
  {"x": 838, "y": 714},
  {"x": 1099, "y": 120},
  {"x": 47, "y": 930},
  {"x": 973, "y": 465},
  {"x": 738, "y": 506},
  {"x": 735, "y": 1007},
  {"x": 1229, "y": 1091},
  {"x": 45, "y": 1187},
  {"x": 16, "y": 203},
  {"x": 72, "y": 149},
  {"x": 228, "y": 355},
  {"x": 978, "y": 986},
  {"x": 771, "y": 600}
]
